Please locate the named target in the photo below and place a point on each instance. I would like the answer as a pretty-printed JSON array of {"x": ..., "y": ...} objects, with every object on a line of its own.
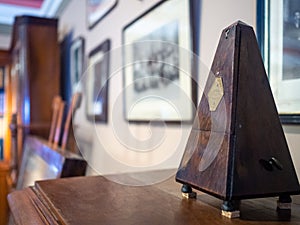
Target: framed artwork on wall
[
  {"x": 97, "y": 83},
  {"x": 158, "y": 71},
  {"x": 97, "y": 9},
  {"x": 76, "y": 63},
  {"x": 278, "y": 24}
]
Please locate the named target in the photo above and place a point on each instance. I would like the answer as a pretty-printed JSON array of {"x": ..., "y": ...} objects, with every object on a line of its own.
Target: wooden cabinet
[
  {"x": 35, "y": 71},
  {"x": 4, "y": 57},
  {"x": 34, "y": 77},
  {"x": 5, "y": 60}
]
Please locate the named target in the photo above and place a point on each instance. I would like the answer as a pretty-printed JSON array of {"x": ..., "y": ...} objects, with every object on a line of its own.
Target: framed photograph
[
  {"x": 158, "y": 70},
  {"x": 279, "y": 37},
  {"x": 97, "y": 83},
  {"x": 97, "y": 9},
  {"x": 76, "y": 63}
]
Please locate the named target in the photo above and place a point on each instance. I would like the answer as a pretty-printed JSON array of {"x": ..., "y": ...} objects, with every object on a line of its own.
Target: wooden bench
[{"x": 40, "y": 162}]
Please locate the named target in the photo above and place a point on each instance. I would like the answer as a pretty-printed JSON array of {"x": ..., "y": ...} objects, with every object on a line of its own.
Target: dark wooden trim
[
  {"x": 289, "y": 118},
  {"x": 20, "y": 20},
  {"x": 29, "y": 20},
  {"x": 91, "y": 26},
  {"x": 195, "y": 21},
  {"x": 260, "y": 27},
  {"x": 5, "y": 58}
]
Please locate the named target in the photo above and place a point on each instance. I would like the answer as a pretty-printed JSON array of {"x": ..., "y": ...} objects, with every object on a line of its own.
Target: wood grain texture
[
  {"x": 56, "y": 105},
  {"x": 28, "y": 207},
  {"x": 75, "y": 104},
  {"x": 4, "y": 173},
  {"x": 213, "y": 178},
  {"x": 243, "y": 131},
  {"x": 96, "y": 200},
  {"x": 5, "y": 57},
  {"x": 258, "y": 130}
]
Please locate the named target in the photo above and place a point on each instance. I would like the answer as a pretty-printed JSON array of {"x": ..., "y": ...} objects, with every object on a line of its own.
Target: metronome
[{"x": 237, "y": 149}]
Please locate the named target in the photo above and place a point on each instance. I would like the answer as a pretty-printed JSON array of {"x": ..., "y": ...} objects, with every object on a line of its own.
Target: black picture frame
[
  {"x": 97, "y": 83},
  {"x": 2, "y": 91},
  {"x": 191, "y": 18},
  {"x": 96, "y": 10},
  {"x": 77, "y": 51},
  {"x": 283, "y": 85}
]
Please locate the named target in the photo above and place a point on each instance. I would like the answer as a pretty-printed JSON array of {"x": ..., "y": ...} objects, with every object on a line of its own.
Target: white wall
[
  {"x": 99, "y": 141},
  {"x": 217, "y": 15},
  {"x": 5, "y": 41},
  {"x": 292, "y": 134}
]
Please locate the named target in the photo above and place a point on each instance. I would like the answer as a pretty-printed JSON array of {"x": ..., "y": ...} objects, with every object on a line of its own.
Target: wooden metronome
[{"x": 237, "y": 149}]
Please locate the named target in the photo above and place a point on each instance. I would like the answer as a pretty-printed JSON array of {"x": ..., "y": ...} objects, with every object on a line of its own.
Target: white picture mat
[
  {"x": 76, "y": 64},
  {"x": 91, "y": 107}
]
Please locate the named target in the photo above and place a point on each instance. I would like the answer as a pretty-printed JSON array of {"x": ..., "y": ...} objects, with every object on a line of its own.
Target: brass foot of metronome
[
  {"x": 187, "y": 191},
  {"x": 231, "y": 209},
  {"x": 284, "y": 202},
  {"x": 237, "y": 149}
]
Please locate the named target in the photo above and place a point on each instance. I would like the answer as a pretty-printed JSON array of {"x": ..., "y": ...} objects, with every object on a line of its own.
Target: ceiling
[
  {"x": 43, "y": 8},
  {"x": 23, "y": 3}
]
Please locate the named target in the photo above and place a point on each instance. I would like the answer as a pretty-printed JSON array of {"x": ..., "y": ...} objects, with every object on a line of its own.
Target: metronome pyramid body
[{"x": 237, "y": 148}]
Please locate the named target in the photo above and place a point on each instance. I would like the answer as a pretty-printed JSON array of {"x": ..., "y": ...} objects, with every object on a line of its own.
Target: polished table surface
[{"x": 97, "y": 200}]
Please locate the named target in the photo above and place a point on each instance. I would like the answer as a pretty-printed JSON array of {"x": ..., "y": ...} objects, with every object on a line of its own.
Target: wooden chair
[
  {"x": 57, "y": 116},
  {"x": 75, "y": 103},
  {"x": 58, "y": 106}
]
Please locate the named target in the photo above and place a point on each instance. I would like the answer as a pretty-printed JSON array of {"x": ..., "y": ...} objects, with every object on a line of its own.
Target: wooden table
[{"x": 97, "y": 200}]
